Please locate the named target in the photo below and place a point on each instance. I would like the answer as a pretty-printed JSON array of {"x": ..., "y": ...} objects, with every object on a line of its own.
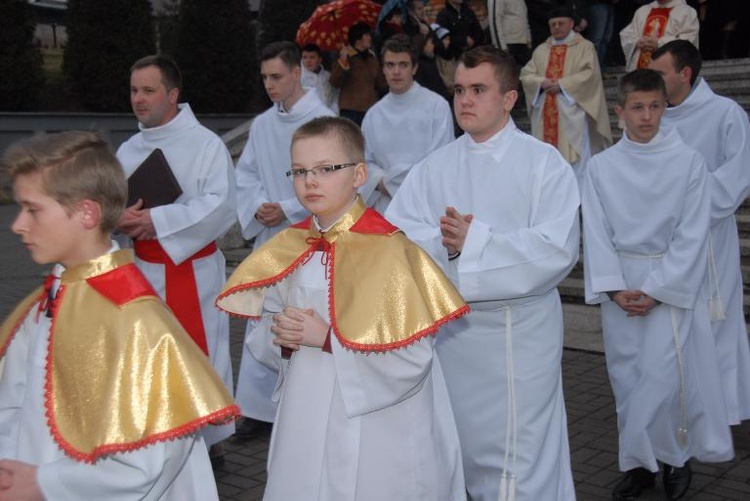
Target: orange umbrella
[{"x": 329, "y": 25}]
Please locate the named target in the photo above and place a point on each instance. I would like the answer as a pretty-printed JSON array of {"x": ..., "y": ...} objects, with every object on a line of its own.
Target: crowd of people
[{"x": 404, "y": 329}]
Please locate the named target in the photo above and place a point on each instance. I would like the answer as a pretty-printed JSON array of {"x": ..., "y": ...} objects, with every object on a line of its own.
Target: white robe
[
  {"x": 719, "y": 129},
  {"x": 202, "y": 214},
  {"x": 682, "y": 24},
  {"x": 260, "y": 178},
  {"x": 175, "y": 470},
  {"x": 645, "y": 217},
  {"x": 353, "y": 426},
  {"x": 320, "y": 82},
  {"x": 400, "y": 130},
  {"x": 522, "y": 242}
]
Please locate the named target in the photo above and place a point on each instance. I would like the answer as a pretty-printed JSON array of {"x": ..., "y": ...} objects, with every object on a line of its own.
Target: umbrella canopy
[{"x": 328, "y": 26}]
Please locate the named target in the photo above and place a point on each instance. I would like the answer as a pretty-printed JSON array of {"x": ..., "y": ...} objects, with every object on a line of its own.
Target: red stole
[
  {"x": 550, "y": 115},
  {"x": 181, "y": 289},
  {"x": 656, "y": 23}
]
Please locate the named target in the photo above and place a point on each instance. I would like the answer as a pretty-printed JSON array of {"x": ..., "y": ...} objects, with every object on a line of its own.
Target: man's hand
[
  {"x": 270, "y": 214},
  {"x": 136, "y": 222},
  {"x": 550, "y": 85},
  {"x": 295, "y": 327},
  {"x": 18, "y": 482},
  {"x": 636, "y": 303},
  {"x": 454, "y": 227},
  {"x": 648, "y": 44}
]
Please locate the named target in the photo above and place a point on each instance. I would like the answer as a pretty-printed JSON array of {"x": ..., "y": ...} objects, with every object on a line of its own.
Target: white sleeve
[
  {"x": 12, "y": 390},
  {"x": 529, "y": 260},
  {"x": 730, "y": 182},
  {"x": 185, "y": 228},
  {"x": 251, "y": 193},
  {"x": 144, "y": 474},
  {"x": 370, "y": 382}
]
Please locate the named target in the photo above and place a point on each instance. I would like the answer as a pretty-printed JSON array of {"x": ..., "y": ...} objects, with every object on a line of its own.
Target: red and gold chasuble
[
  {"x": 656, "y": 23},
  {"x": 550, "y": 114},
  {"x": 121, "y": 372},
  {"x": 385, "y": 292}
]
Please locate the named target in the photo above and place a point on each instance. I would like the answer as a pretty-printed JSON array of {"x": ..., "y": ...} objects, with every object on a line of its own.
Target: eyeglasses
[{"x": 320, "y": 170}]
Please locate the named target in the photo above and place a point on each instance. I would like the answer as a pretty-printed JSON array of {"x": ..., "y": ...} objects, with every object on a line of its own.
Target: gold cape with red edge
[
  {"x": 121, "y": 372},
  {"x": 384, "y": 291}
]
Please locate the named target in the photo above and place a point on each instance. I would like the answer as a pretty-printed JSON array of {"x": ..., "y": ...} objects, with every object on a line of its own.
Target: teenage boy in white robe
[
  {"x": 175, "y": 244},
  {"x": 103, "y": 392},
  {"x": 719, "y": 129},
  {"x": 349, "y": 308},
  {"x": 402, "y": 128},
  {"x": 646, "y": 218},
  {"x": 315, "y": 76},
  {"x": 498, "y": 210},
  {"x": 266, "y": 203}
]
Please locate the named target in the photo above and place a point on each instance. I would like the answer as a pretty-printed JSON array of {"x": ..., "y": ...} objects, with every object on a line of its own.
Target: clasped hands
[
  {"x": 550, "y": 85},
  {"x": 270, "y": 214},
  {"x": 295, "y": 327},
  {"x": 18, "y": 482},
  {"x": 454, "y": 227},
  {"x": 647, "y": 44},
  {"x": 635, "y": 303}
]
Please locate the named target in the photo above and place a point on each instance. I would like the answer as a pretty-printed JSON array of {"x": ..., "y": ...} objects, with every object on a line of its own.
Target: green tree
[
  {"x": 21, "y": 74},
  {"x": 105, "y": 37},
  {"x": 279, "y": 20},
  {"x": 216, "y": 52}
]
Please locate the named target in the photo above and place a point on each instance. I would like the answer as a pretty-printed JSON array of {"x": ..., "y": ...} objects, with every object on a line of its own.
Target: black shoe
[
  {"x": 632, "y": 483},
  {"x": 677, "y": 480},
  {"x": 249, "y": 428}
]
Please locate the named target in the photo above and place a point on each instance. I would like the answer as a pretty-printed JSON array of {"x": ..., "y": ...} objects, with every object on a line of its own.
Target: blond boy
[
  {"x": 73, "y": 422},
  {"x": 363, "y": 409}
]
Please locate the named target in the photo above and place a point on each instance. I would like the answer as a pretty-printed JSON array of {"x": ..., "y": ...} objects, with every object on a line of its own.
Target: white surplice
[
  {"x": 645, "y": 216},
  {"x": 203, "y": 213},
  {"x": 682, "y": 24},
  {"x": 261, "y": 178},
  {"x": 353, "y": 426},
  {"x": 172, "y": 470},
  {"x": 400, "y": 130},
  {"x": 502, "y": 362},
  {"x": 719, "y": 129}
]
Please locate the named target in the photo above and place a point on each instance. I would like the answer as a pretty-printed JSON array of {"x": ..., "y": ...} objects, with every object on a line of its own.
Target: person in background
[{"x": 314, "y": 75}]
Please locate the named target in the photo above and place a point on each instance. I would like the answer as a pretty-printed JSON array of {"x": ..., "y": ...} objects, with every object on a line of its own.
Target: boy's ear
[
  {"x": 90, "y": 214},
  {"x": 618, "y": 111},
  {"x": 360, "y": 174}
]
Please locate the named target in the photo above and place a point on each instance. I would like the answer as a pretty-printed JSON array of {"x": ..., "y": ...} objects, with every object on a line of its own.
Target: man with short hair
[
  {"x": 565, "y": 95},
  {"x": 498, "y": 210},
  {"x": 655, "y": 24},
  {"x": 718, "y": 128},
  {"x": 403, "y": 127},
  {"x": 266, "y": 203},
  {"x": 314, "y": 75},
  {"x": 175, "y": 244}
]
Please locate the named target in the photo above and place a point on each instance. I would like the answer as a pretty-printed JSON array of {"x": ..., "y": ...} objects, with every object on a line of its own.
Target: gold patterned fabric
[
  {"x": 121, "y": 371},
  {"x": 385, "y": 292}
]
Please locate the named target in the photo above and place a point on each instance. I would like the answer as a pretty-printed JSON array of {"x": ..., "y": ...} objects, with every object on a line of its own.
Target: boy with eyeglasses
[{"x": 348, "y": 307}]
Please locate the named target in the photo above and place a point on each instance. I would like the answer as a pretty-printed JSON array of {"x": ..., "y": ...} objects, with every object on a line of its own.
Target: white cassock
[
  {"x": 645, "y": 217},
  {"x": 502, "y": 361},
  {"x": 719, "y": 129},
  {"x": 352, "y": 426},
  {"x": 172, "y": 470},
  {"x": 400, "y": 130},
  {"x": 203, "y": 213},
  {"x": 682, "y": 24},
  {"x": 261, "y": 178},
  {"x": 320, "y": 82}
]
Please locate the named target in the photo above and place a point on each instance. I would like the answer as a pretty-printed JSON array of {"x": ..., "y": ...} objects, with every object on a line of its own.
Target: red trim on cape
[{"x": 122, "y": 284}]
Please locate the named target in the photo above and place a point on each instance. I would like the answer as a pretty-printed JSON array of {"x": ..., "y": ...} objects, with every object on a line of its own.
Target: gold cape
[
  {"x": 121, "y": 372},
  {"x": 384, "y": 291}
]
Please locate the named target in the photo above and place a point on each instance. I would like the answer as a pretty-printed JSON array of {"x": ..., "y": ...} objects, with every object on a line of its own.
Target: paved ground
[{"x": 591, "y": 413}]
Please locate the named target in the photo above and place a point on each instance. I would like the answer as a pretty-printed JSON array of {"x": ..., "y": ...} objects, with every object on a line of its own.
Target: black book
[{"x": 154, "y": 182}]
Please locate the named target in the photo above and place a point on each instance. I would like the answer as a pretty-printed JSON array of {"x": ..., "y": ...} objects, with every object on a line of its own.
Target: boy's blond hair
[
  {"x": 348, "y": 134},
  {"x": 74, "y": 166}
]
